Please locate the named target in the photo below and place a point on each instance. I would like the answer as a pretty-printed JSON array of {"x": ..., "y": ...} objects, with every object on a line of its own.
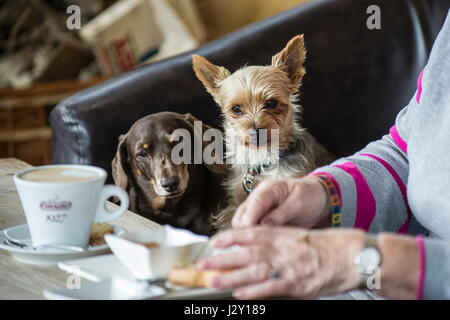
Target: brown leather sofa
[{"x": 357, "y": 79}]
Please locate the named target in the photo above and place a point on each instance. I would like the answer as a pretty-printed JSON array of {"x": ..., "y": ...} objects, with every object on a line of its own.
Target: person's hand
[
  {"x": 297, "y": 202},
  {"x": 307, "y": 263}
]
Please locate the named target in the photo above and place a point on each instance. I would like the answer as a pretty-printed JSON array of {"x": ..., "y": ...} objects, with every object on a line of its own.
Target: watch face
[{"x": 370, "y": 259}]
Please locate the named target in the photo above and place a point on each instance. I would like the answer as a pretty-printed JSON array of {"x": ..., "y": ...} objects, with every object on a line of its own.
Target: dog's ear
[
  {"x": 119, "y": 165},
  {"x": 214, "y": 167},
  {"x": 189, "y": 118},
  {"x": 209, "y": 74},
  {"x": 291, "y": 59}
]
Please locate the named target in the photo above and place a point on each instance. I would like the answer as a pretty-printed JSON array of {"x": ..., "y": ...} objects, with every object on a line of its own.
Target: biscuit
[{"x": 193, "y": 277}]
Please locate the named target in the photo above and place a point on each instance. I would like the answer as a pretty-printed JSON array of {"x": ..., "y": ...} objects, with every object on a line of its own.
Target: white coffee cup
[{"x": 62, "y": 201}]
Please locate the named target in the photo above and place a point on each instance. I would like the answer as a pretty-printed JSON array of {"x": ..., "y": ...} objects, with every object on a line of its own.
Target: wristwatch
[{"x": 368, "y": 261}]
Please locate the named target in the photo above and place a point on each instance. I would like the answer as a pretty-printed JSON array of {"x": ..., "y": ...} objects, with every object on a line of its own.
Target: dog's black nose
[{"x": 170, "y": 184}]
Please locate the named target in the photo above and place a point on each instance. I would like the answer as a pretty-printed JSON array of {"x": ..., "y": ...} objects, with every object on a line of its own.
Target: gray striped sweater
[{"x": 401, "y": 183}]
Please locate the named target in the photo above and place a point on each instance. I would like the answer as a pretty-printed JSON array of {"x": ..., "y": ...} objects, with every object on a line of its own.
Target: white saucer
[
  {"x": 45, "y": 256},
  {"x": 126, "y": 289}
]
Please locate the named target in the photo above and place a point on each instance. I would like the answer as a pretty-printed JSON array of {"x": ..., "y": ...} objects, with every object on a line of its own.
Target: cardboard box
[
  {"x": 123, "y": 35},
  {"x": 132, "y": 32}
]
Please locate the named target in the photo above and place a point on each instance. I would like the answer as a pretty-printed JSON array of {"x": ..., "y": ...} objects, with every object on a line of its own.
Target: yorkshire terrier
[{"x": 261, "y": 119}]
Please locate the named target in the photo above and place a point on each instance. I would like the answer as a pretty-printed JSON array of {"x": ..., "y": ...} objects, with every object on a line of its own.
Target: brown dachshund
[{"x": 183, "y": 195}]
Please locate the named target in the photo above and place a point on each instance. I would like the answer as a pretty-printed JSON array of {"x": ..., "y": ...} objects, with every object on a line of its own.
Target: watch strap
[{"x": 371, "y": 242}]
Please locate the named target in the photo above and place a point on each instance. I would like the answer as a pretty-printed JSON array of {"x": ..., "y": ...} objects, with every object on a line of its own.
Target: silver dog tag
[{"x": 247, "y": 183}]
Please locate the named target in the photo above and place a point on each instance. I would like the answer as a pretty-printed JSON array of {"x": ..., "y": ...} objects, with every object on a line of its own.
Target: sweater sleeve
[
  {"x": 435, "y": 253},
  {"x": 372, "y": 183},
  {"x": 434, "y": 282}
]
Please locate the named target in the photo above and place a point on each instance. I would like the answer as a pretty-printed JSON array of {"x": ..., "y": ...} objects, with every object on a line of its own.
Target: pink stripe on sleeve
[
  {"x": 365, "y": 202},
  {"x": 398, "y": 140},
  {"x": 421, "y": 247},
  {"x": 404, "y": 228},
  {"x": 419, "y": 87}
]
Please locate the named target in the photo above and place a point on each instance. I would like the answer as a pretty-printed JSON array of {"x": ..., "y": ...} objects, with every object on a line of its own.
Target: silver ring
[{"x": 274, "y": 273}]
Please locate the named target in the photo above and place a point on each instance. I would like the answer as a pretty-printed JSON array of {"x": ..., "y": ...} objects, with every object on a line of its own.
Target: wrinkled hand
[
  {"x": 297, "y": 202},
  {"x": 309, "y": 263}
]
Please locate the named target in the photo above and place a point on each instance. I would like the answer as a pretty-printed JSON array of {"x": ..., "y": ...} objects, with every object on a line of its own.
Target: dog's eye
[
  {"x": 143, "y": 153},
  {"x": 270, "y": 104},
  {"x": 236, "y": 109}
]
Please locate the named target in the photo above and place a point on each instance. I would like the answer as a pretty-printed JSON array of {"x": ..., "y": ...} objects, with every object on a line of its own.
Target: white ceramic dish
[
  {"x": 101, "y": 269},
  {"x": 176, "y": 247},
  {"x": 110, "y": 289},
  {"x": 125, "y": 289},
  {"x": 45, "y": 256}
]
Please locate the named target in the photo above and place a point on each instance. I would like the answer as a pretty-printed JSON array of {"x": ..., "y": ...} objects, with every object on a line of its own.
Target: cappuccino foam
[{"x": 60, "y": 174}]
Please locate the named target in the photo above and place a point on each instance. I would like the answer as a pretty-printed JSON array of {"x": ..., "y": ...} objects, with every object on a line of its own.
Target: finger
[
  {"x": 281, "y": 215},
  {"x": 268, "y": 288},
  {"x": 244, "y": 236},
  {"x": 251, "y": 274},
  {"x": 259, "y": 203},
  {"x": 237, "y": 258},
  {"x": 235, "y": 222},
  {"x": 241, "y": 212},
  {"x": 264, "y": 198}
]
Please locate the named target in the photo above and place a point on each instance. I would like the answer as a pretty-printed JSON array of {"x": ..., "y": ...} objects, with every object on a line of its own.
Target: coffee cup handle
[{"x": 108, "y": 191}]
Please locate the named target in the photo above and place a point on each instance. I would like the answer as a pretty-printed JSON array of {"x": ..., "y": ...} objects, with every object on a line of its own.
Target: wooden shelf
[
  {"x": 22, "y": 135},
  {"x": 24, "y": 128}
]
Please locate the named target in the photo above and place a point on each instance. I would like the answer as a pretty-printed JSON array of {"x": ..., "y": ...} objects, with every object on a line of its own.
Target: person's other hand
[
  {"x": 307, "y": 263},
  {"x": 297, "y": 202}
]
